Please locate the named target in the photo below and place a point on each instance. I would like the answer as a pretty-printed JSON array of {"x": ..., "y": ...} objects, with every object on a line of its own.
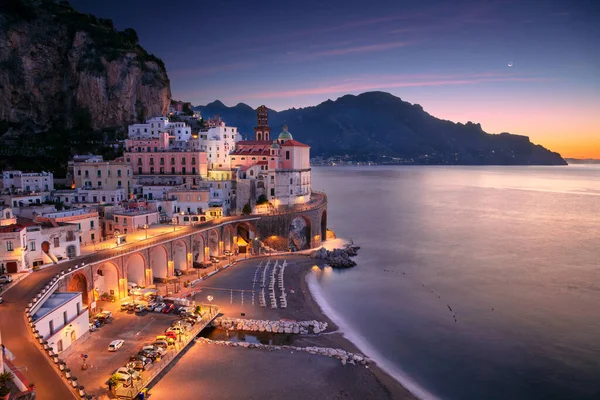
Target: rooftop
[{"x": 55, "y": 300}]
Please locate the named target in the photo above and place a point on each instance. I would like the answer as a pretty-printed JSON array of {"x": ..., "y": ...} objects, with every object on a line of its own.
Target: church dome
[
  {"x": 275, "y": 146},
  {"x": 285, "y": 135}
]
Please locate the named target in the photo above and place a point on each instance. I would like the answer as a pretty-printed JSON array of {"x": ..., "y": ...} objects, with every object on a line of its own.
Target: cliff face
[{"x": 58, "y": 66}]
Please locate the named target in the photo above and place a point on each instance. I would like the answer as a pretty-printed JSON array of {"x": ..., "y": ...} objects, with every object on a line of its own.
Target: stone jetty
[
  {"x": 344, "y": 356},
  {"x": 256, "y": 325},
  {"x": 338, "y": 258}
]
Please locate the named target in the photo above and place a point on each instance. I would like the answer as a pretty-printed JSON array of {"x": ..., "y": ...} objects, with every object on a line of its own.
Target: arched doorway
[
  {"x": 213, "y": 243},
  {"x": 45, "y": 247},
  {"x": 180, "y": 255},
  {"x": 79, "y": 284},
  {"x": 71, "y": 251},
  {"x": 159, "y": 263},
  {"x": 245, "y": 232},
  {"x": 299, "y": 234},
  {"x": 324, "y": 225},
  {"x": 106, "y": 281},
  {"x": 197, "y": 251},
  {"x": 135, "y": 269}
]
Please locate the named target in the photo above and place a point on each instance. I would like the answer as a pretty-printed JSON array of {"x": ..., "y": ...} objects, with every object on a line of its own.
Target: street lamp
[
  {"x": 146, "y": 229},
  {"x": 210, "y": 299}
]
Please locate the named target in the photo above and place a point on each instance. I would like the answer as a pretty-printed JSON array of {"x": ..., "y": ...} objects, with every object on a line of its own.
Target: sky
[{"x": 529, "y": 67}]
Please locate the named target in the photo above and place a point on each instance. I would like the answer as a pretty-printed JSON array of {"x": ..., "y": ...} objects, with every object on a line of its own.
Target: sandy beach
[{"x": 222, "y": 372}]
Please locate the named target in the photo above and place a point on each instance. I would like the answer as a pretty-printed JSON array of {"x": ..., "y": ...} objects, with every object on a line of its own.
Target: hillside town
[{"x": 169, "y": 174}]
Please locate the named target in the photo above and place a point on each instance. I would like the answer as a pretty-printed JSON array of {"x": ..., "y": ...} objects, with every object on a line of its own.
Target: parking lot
[{"x": 135, "y": 329}]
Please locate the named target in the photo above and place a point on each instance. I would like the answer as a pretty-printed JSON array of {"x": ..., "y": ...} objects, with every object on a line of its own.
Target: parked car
[
  {"x": 186, "y": 325},
  {"x": 168, "y": 308},
  {"x": 139, "y": 308},
  {"x": 93, "y": 327},
  {"x": 137, "y": 365},
  {"x": 129, "y": 371},
  {"x": 141, "y": 358},
  {"x": 163, "y": 344},
  {"x": 115, "y": 345},
  {"x": 131, "y": 306},
  {"x": 104, "y": 316},
  {"x": 159, "y": 307},
  {"x": 96, "y": 322},
  {"x": 157, "y": 349},
  {"x": 6, "y": 279},
  {"x": 228, "y": 253},
  {"x": 191, "y": 321},
  {"x": 214, "y": 260},
  {"x": 178, "y": 272},
  {"x": 176, "y": 329},
  {"x": 124, "y": 379},
  {"x": 190, "y": 315},
  {"x": 125, "y": 306},
  {"x": 171, "y": 334},
  {"x": 149, "y": 354}
]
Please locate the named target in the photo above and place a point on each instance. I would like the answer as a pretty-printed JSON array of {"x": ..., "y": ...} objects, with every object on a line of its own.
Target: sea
[{"x": 472, "y": 282}]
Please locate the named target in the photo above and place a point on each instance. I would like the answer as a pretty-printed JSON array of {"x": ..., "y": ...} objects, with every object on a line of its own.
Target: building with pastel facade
[
  {"x": 28, "y": 181},
  {"x": 177, "y": 131},
  {"x": 95, "y": 173}
]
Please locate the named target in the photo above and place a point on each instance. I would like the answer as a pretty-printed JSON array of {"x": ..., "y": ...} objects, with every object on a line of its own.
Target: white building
[
  {"x": 62, "y": 319},
  {"x": 13, "y": 248},
  {"x": 22, "y": 200},
  {"x": 48, "y": 244},
  {"x": 86, "y": 220},
  {"x": 6, "y": 216},
  {"x": 217, "y": 142},
  {"x": 178, "y": 131},
  {"x": 28, "y": 181},
  {"x": 123, "y": 221}
]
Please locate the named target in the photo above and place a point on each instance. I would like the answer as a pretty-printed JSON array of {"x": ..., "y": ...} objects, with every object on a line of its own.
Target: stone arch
[
  {"x": 324, "y": 225},
  {"x": 300, "y": 233},
  {"x": 180, "y": 255},
  {"x": 136, "y": 266},
  {"x": 159, "y": 260},
  {"x": 197, "y": 250},
  {"x": 227, "y": 238},
  {"x": 79, "y": 283},
  {"x": 107, "y": 279},
  {"x": 213, "y": 243},
  {"x": 244, "y": 233}
]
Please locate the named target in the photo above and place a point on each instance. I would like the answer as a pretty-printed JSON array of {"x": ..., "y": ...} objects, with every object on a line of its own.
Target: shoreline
[{"x": 336, "y": 337}]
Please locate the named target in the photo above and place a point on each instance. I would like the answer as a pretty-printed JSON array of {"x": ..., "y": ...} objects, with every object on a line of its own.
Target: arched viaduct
[{"x": 147, "y": 262}]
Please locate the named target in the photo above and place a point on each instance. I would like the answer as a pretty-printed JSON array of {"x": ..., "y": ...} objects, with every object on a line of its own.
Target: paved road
[{"x": 16, "y": 335}]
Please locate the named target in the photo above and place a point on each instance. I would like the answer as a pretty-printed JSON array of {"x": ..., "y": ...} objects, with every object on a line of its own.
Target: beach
[{"x": 224, "y": 372}]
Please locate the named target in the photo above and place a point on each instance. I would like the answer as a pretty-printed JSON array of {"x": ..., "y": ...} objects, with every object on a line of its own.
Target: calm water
[{"x": 514, "y": 252}]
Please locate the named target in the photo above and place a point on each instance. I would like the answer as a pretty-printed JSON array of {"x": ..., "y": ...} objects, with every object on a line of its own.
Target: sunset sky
[{"x": 452, "y": 57}]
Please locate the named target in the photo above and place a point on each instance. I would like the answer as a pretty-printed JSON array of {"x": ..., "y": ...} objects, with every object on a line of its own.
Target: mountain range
[{"x": 382, "y": 128}]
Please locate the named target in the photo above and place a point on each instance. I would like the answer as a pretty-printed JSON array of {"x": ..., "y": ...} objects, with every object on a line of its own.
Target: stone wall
[
  {"x": 278, "y": 226},
  {"x": 255, "y": 325}
]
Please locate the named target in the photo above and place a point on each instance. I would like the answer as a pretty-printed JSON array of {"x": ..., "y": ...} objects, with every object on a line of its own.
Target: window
[
  {"x": 65, "y": 319},
  {"x": 287, "y": 154},
  {"x": 272, "y": 192},
  {"x": 124, "y": 221},
  {"x": 139, "y": 170},
  {"x": 183, "y": 170},
  {"x": 99, "y": 173},
  {"x": 139, "y": 160},
  {"x": 78, "y": 172},
  {"x": 9, "y": 246},
  {"x": 172, "y": 160},
  {"x": 193, "y": 160},
  {"x": 162, "y": 161},
  {"x": 119, "y": 183},
  {"x": 194, "y": 170},
  {"x": 78, "y": 308},
  {"x": 183, "y": 160},
  {"x": 172, "y": 170},
  {"x": 51, "y": 326},
  {"x": 290, "y": 181},
  {"x": 87, "y": 174},
  {"x": 32, "y": 245},
  {"x": 92, "y": 222},
  {"x": 56, "y": 242},
  {"x": 116, "y": 220},
  {"x": 151, "y": 161},
  {"x": 93, "y": 237},
  {"x": 119, "y": 173}
]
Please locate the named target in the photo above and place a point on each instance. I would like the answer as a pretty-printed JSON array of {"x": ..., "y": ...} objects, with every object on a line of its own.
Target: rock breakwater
[
  {"x": 338, "y": 258},
  {"x": 256, "y": 325},
  {"x": 344, "y": 356}
]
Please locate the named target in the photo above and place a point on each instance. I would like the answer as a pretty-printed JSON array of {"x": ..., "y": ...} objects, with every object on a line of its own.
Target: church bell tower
[{"x": 262, "y": 131}]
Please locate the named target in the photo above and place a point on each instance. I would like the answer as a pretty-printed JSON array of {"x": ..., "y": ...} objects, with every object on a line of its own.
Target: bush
[{"x": 247, "y": 210}]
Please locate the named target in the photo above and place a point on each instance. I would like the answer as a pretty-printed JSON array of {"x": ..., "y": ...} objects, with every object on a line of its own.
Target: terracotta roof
[
  {"x": 12, "y": 228},
  {"x": 294, "y": 143}
]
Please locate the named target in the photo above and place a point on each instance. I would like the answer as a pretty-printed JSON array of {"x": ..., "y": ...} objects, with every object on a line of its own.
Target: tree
[
  {"x": 247, "y": 210},
  {"x": 262, "y": 199},
  {"x": 130, "y": 35}
]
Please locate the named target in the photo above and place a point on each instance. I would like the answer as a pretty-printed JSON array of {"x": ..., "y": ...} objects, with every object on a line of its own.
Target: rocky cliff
[{"x": 61, "y": 68}]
